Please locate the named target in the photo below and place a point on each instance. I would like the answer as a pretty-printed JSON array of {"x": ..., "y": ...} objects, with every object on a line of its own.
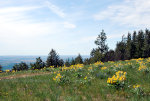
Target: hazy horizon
[{"x": 7, "y": 62}]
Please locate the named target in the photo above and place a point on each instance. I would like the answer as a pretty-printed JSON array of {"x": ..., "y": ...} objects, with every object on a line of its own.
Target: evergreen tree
[
  {"x": 133, "y": 46},
  {"x": 67, "y": 63},
  {"x": 21, "y": 66},
  {"x": 52, "y": 59},
  {"x": 128, "y": 47},
  {"x": 120, "y": 50},
  {"x": 140, "y": 45},
  {"x": 92, "y": 52},
  {"x": 78, "y": 60},
  {"x": 101, "y": 43},
  {"x": 110, "y": 55},
  {"x": 39, "y": 64},
  {"x": 146, "y": 48},
  {"x": 86, "y": 61},
  {"x": 16, "y": 67},
  {"x": 0, "y": 67},
  {"x": 97, "y": 56},
  {"x": 61, "y": 62},
  {"x": 73, "y": 62}
]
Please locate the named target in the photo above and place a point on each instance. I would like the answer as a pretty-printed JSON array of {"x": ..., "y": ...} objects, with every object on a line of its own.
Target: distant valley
[{"x": 8, "y": 62}]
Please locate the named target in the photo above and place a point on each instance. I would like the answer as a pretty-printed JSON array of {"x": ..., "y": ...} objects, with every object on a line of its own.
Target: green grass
[{"x": 74, "y": 87}]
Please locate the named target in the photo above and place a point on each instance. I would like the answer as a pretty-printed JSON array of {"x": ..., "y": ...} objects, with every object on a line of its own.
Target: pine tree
[
  {"x": 0, "y": 67},
  {"x": 120, "y": 50},
  {"x": 67, "y": 63},
  {"x": 21, "y": 66},
  {"x": 110, "y": 55},
  {"x": 73, "y": 62},
  {"x": 92, "y": 52},
  {"x": 39, "y": 64},
  {"x": 86, "y": 61},
  {"x": 52, "y": 59},
  {"x": 140, "y": 45},
  {"x": 61, "y": 62},
  {"x": 146, "y": 48},
  {"x": 101, "y": 42},
  {"x": 133, "y": 46},
  {"x": 78, "y": 59},
  {"x": 97, "y": 56},
  {"x": 128, "y": 47}
]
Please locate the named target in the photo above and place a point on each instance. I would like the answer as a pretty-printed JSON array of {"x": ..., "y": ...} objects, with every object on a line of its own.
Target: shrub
[{"x": 21, "y": 66}]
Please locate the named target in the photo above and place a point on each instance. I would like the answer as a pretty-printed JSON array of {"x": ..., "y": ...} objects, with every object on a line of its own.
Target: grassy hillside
[{"x": 118, "y": 81}]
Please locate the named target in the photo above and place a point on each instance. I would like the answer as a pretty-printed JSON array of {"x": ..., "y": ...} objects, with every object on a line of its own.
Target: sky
[{"x": 34, "y": 27}]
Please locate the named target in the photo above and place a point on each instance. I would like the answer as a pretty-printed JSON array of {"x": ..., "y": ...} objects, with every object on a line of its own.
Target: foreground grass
[{"x": 86, "y": 83}]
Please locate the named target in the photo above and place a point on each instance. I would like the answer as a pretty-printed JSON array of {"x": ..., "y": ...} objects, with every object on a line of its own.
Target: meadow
[{"x": 109, "y": 81}]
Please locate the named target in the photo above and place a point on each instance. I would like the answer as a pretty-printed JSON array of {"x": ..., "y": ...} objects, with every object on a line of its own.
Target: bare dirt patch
[{"x": 23, "y": 75}]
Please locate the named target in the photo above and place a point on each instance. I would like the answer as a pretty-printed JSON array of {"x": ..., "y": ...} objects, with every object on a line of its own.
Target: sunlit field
[{"x": 112, "y": 81}]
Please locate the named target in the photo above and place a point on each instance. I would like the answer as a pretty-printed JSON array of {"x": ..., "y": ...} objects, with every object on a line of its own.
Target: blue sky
[{"x": 34, "y": 27}]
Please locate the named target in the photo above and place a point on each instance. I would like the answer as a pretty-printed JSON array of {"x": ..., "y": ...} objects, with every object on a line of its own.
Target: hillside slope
[{"x": 119, "y": 81}]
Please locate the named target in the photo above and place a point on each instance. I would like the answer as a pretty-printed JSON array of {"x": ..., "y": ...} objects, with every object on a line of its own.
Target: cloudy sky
[{"x": 33, "y": 27}]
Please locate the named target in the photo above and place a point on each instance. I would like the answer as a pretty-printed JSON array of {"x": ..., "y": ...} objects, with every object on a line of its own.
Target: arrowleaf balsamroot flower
[
  {"x": 119, "y": 77},
  {"x": 103, "y": 68}
]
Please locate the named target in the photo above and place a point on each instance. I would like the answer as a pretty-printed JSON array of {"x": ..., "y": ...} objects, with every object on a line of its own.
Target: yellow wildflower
[
  {"x": 7, "y": 71},
  {"x": 136, "y": 86},
  {"x": 85, "y": 78},
  {"x": 103, "y": 68}
]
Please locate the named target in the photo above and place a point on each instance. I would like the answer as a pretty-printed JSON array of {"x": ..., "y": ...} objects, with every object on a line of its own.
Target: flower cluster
[
  {"x": 51, "y": 67},
  {"x": 128, "y": 63},
  {"x": 90, "y": 68},
  {"x": 73, "y": 67},
  {"x": 58, "y": 77},
  {"x": 13, "y": 71},
  {"x": 7, "y": 71},
  {"x": 148, "y": 59},
  {"x": 85, "y": 78},
  {"x": 139, "y": 60},
  {"x": 98, "y": 63},
  {"x": 119, "y": 77},
  {"x": 136, "y": 86},
  {"x": 103, "y": 68},
  {"x": 118, "y": 65},
  {"x": 142, "y": 67}
]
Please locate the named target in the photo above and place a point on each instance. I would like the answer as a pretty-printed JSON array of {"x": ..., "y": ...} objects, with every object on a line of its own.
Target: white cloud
[
  {"x": 135, "y": 13},
  {"x": 17, "y": 9},
  {"x": 89, "y": 38},
  {"x": 114, "y": 36},
  {"x": 55, "y": 9},
  {"x": 15, "y": 22},
  {"x": 18, "y": 28},
  {"x": 69, "y": 25},
  {"x": 22, "y": 32}
]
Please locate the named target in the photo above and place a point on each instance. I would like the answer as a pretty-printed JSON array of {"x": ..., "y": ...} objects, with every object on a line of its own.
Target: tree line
[
  {"x": 132, "y": 46},
  {"x": 135, "y": 45}
]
